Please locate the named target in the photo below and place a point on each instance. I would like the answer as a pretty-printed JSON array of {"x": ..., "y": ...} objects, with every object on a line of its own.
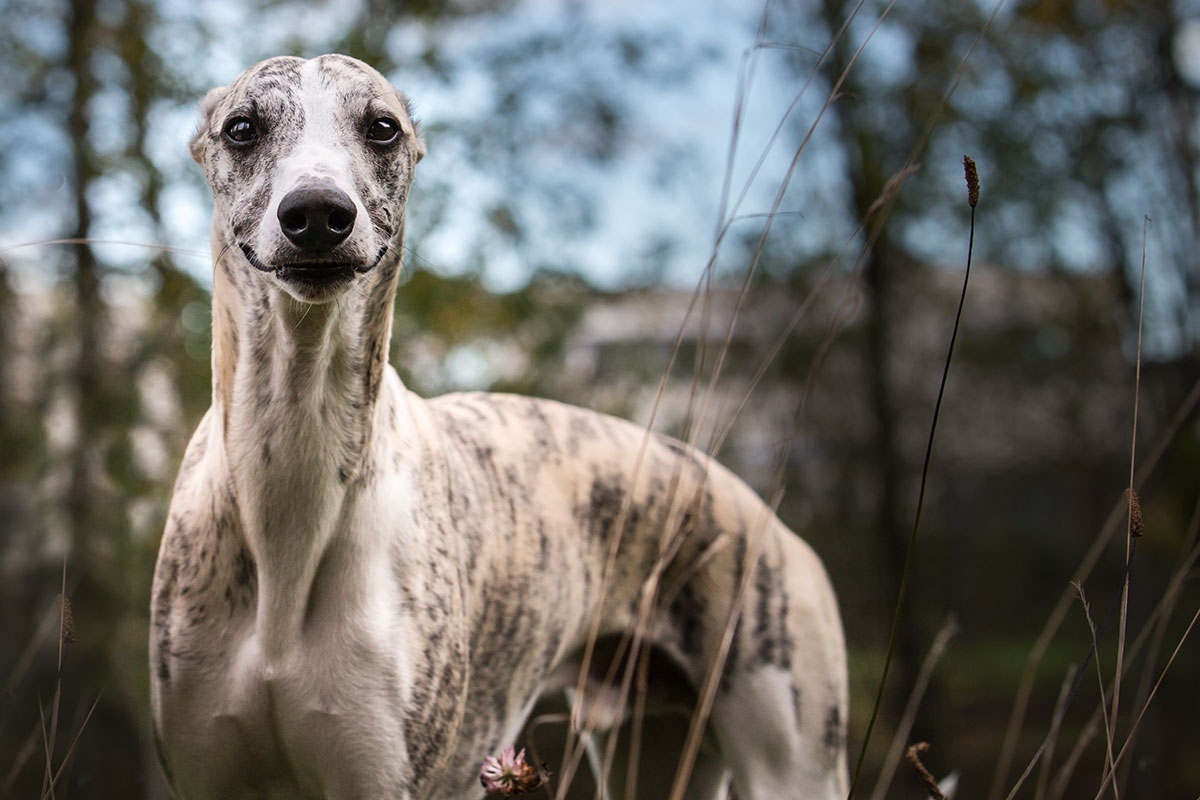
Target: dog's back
[{"x": 585, "y": 525}]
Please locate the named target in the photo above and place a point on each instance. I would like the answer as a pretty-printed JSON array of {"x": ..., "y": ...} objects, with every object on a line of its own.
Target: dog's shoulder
[{"x": 204, "y": 573}]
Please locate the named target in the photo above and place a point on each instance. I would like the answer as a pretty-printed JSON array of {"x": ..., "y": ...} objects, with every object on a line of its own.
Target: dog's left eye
[
  {"x": 240, "y": 130},
  {"x": 383, "y": 130}
]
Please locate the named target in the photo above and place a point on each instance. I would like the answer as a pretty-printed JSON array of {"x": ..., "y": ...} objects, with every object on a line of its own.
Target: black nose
[{"x": 316, "y": 218}]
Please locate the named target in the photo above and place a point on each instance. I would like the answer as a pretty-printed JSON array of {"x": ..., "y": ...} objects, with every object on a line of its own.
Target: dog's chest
[{"x": 248, "y": 711}]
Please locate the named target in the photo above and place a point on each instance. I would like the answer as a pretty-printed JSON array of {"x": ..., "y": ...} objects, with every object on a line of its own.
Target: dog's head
[{"x": 310, "y": 163}]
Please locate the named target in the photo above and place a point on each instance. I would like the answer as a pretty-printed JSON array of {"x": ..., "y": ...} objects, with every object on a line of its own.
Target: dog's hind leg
[
  {"x": 770, "y": 754},
  {"x": 779, "y": 713},
  {"x": 779, "y": 705}
]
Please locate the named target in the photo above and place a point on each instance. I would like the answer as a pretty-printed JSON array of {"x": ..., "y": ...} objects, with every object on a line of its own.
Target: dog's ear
[
  {"x": 418, "y": 134},
  {"x": 207, "y": 106}
]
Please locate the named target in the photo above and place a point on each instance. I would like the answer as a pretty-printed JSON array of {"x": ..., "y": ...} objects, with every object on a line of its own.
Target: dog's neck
[{"x": 296, "y": 387}]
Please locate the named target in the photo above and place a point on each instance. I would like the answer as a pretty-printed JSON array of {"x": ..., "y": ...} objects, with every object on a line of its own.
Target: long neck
[{"x": 295, "y": 391}]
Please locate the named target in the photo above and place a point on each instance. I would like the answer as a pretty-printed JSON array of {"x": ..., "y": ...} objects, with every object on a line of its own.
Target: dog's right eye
[
  {"x": 383, "y": 130},
  {"x": 240, "y": 130}
]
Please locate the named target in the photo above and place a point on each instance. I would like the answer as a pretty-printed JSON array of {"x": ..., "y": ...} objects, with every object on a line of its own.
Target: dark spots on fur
[
  {"x": 763, "y": 585},
  {"x": 244, "y": 582},
  {"x": 471, "y": 409},
  {"x": 545, "y": 449},
  {"x": 197, "y": 614},
  {"x": 782, "y": 633},
  {"x": 432, "y": 709},
  {"x": 739, "y": 558},
  {"x": 483, "y": 456},
  {"x": 687, "y": 611},
  {"x": 162, "y": 617},
  {"x": 333, "y": 66},
  {"x": 230, "y": 324},
  {"x": 513, "y": 482},
  {"x": 833, "y": 729},
  {"x": 252, "y": 208},
  {"x": 376, "y": 359},
  {"x": 682, "y": 452},
  {"x": 604, "y": 505},
  {"x": 244, "y": 571},
  {"x": 543, "y": 546},
  {"x": 284, "y": 69},
  {"x": 579, "y": 429},
  {"x": 733, "y": 659},
  {"x": 550, "y": 650},
  {"x": 772, "y": 639}
]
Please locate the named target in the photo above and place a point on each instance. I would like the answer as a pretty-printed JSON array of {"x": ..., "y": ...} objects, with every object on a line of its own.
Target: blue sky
[{"x": 648, "y": 213}]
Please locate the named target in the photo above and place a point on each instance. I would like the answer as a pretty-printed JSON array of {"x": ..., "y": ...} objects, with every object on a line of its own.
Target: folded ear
[
  {"x": 207, "y": 106},
  {"x": 420, "y": 137},
  {"x": 418, "y": 134}
]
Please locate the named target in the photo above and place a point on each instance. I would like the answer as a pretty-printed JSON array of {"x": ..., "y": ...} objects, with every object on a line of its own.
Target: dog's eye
[
  {"x": 240, "y": 130},
  {"x": 383, "y": 130}
]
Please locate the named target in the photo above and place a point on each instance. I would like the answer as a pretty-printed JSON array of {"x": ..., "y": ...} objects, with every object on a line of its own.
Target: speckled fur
[{"x": 360, "y": 593}]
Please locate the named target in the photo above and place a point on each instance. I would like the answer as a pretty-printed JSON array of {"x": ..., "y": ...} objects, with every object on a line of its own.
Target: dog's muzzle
[{"x": 316, "y": 218}]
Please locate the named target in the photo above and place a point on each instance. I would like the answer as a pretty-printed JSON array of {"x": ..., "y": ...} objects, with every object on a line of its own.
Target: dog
[{"x": 361, "y": 593}]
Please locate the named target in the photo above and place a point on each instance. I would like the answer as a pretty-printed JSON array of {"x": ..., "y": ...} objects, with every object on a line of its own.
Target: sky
[
  {"x": 647, "y": 214},
  {"x": 505, "y": 108}
]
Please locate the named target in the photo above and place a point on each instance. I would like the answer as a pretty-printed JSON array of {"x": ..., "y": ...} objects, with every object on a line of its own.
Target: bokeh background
[{"x": 594, "y": 166}]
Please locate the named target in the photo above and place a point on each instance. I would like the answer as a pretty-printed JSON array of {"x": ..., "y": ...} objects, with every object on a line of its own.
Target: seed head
[
  {"x": 972, "y": 181},
  {"x": 1135, "y": 513},
  {"x": 68, "y": 619}
]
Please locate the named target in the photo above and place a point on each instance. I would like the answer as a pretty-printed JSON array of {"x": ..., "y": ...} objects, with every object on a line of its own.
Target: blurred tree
[
  {"x": 92, "y": 484},
  {"x": 1081, "y": 115},
  {"x": 1082, "y": 122}
]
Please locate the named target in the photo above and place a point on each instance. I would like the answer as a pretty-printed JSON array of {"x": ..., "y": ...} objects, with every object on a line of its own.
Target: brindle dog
[{"x": 361, "y": 593}]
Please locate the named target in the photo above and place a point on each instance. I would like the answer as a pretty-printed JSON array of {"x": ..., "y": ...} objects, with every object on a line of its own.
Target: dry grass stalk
[
  {"x": 1169, "y": 600},
  {"x": 914, "y": 757},
  {"x": 912, "y": 541},
  {"x": 48, "y": 792},
  {"x": 203, "y": 255},
  {"x": 1060, "y": 711},
  {"x": 1058, "y": 614},
  {"x": 47, "y": 750},
  {"x": 1129, "y": 537},
  {"x": 66, "y": 620},
  {"x": 1108, "y": 731},
  {"x": 574, "y": 749},
  {"x": 1142, "y": 712},
  {"x": 936, "y": 650},
  {"x": 1156, "y": 621}
]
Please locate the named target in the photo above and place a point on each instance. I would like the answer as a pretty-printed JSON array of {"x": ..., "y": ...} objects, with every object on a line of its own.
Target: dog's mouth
[{"x": 315, "y": 274}]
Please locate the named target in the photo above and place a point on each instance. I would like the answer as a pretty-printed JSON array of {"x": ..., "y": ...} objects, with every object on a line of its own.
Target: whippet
[{"x": 361, "y": 593}]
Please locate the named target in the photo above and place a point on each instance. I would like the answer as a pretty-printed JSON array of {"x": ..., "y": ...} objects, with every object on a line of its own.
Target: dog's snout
[{"x": 316, "y": 218}]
